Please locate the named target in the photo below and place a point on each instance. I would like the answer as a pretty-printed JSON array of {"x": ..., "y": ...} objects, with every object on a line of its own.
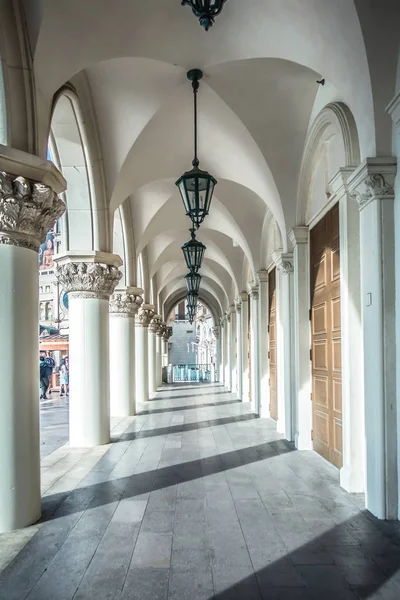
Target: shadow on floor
[
  {"x": 187, "y": 395},
  {"x": 184, "y": 408},
  {"x": 354, "y": 560},
  {"x": 105, "y": 492},
  {"x": 170, "y": 429}
]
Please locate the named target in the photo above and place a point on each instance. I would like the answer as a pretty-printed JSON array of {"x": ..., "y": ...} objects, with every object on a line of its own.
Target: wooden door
[
  {"x": 326, "y": 338},
  {"x": 249, "y": 341},
  {"x": 273, "y": 397}
]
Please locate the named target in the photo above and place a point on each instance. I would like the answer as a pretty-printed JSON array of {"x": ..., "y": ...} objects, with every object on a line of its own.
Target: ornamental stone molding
[
  {"x": 144, "y": 316},
  {"x": 283, "y": 262},
  {"x": 155, "y": 323},
  {"x": 126, "y": 302},
  {"x": 238, "y": 306},
  {"x": 254, "y": 293},
  {"x": 216, "y": 332},
  {"x": 88, "y": 280},
  {"x": 168, "y": 333},
  {"x": 373, "y": 180},
  {"x": 27, "y": 211},
  {"x": 286, "y": 267},
  {"x": 161, "y": 330}
]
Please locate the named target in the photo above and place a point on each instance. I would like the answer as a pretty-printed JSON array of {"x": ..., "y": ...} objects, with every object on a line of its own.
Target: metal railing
[{"x": 191, "y": 373}]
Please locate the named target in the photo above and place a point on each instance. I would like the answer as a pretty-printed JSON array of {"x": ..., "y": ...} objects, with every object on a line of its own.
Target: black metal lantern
[
  {"x": 196, "y": 186},
  {"x": 193, "y": 251},
  {"x": 205, "y": 10},
  {"x": 193, "y": 281},
  {"x": 191, "y": 300}
]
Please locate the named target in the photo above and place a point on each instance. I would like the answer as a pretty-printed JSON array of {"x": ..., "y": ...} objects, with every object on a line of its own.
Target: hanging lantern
[
  {"x": 191, "y": 300},
  {"x": 196, "y": 186},
  {"x": 193, "y": 251},
  {"x": 205, "y": 10},
  {"x": 193, "y": 281}
]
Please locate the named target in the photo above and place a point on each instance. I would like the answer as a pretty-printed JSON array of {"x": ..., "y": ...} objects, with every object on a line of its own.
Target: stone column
[
  {"x": 89, "y": 280},
  {"x": 262, "y": 277},
  {"x": 154, "y": 326},
  {"x": 27, "y": 211},
  {"x": 228, "y": 354},
  {"x": 216, "y": 367},
  {"x": 239, "y": 348},
  {"x": 124, "y": 305},
  {"x": 371, "y": 185},
  {"x": 222, "y": 352},
  {"x": 233, "y": 336},
  {"x": 302, "y": 406},
  {"x": 142, "y": 321},
  {"x": 285, "y": 343},
  {"x": 255, "y": 350},
  {"x": 159, "y": 350},
  {"x": 244, "y": 317},
  {"x": 167, "y": 334}
]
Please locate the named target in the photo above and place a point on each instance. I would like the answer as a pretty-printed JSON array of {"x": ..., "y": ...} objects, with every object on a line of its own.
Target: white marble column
[
  {"x": 239, "y": 348},
  {"x": 89, "y": 280},
  {"x": 262, "y": 277},
  {"x": 285, "y": 343},
  {"x": 154, "y": 326},
  {"x": 228, "y": 355},
  {"x": 302, "y": 405},
  {"x": 124, "y": 305},
  {"x": 159, "y": 343},
  {"x": 142, "y": 321},
  {"x": 255, "y": 350},
  {"x": 371, "y": 185},
  {"x": 216, "y": 331},
  {"x": 27, "y": 211},
  {"x": 222, "y": 352},
  {"x": 244, "y": 317},
  {"x": 233, "y": 358}
]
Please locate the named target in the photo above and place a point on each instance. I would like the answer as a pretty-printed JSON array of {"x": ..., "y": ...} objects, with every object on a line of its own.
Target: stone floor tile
[
  {"x": 190, "y": 584},
  {"x": 152, "y": 550},
  {"x": 146, "y": 584}
]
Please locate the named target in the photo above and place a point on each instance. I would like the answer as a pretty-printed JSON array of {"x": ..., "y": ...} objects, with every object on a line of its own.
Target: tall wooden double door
[{"x": 326, "y": 338}]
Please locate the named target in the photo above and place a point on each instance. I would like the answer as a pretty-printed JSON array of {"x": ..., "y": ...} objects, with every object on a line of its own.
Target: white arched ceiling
[
  {"x": 207, "y": 286},
  {"x": 258, "y": 96}
]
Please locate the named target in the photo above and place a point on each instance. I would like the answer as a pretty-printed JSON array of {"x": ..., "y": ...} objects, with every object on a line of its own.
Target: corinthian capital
[
  {"x": 126, "y": 302},
  {"x": 27, "y": 211},
  {"x": 162, "y": 330},
  {"x": 373, "y": 180},
  {"x": 144, "y": 316},
  {"x": 168, "y": 333},
  {"x": 155, "y": 323},
  {"x": 95, "y": 275}
]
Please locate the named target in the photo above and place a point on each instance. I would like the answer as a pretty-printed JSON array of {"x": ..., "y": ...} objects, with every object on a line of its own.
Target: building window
[{"x": 47, "y": 289}]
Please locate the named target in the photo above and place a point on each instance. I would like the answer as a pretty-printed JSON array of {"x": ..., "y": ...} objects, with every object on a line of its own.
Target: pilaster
[
  {"x": 371, "y": 186},
  {"x": 255, "y": 349},
  {"x": 285, "y": 342},
  {"x": 302, "y": 406},
  {"x": 262, "y": 278}
]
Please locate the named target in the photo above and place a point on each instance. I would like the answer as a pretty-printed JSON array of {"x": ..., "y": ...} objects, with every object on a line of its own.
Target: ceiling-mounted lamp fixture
[
  {"x": 196, "y": 186},
  {"x": 191, "y": 300},
  {"x": 205, "y": 10},
  {"x": 193, "y": 251},
  {"x": 193, "y": 281}
]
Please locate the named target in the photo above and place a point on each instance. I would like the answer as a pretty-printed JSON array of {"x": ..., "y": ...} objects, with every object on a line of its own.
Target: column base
[
  {"x": 351, "y": 480},
  {"x": 303, "y": 442}
]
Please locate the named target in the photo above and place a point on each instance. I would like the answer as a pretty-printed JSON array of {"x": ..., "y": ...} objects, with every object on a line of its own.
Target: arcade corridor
[{"x": 196, "y": 498}]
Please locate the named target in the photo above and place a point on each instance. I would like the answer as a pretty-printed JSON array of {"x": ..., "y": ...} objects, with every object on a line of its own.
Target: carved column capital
[
  {"x": 254, "y": 293},
  {"x": 28, "y": 209},
  {"x": 155, "y": 323},
  {"x": 125, "y": 302},
  {"x": 168, "y": 333},
  {"x": 94, "y": 275},
  {"x": 144, "y": 316},
  {"x": 161, "y": 330},
  {"x": 373, "y": 180},
  {"x": 284, "y": 262},
  {"x": 216, "y": 332}
]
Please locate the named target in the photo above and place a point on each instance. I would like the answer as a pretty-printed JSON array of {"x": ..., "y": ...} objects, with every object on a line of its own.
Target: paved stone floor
[{"x": 197, "y": 499}]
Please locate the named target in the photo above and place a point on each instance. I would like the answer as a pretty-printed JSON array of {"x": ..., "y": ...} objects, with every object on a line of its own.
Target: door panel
[
  {"x": 326, "y": 338},
  {"x": 272, "y": 353}
]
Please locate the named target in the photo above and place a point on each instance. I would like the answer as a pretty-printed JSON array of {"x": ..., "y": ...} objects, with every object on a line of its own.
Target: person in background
[
  {"x": 64, "y": 377},
  {"x": 51, "y": 362},
  {"x": 44, "y": 379}
]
